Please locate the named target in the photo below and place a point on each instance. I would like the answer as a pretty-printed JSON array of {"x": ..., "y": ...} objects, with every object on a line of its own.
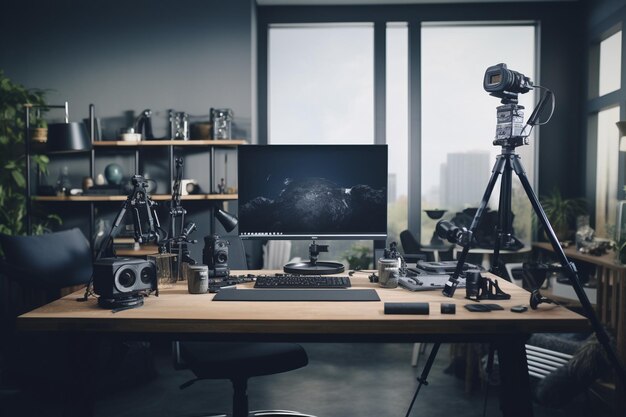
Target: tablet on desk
[{"x": 296, "y": 295}]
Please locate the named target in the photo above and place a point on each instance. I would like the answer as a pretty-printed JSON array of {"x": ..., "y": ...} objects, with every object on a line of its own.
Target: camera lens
[
  {"x": 127, "y": 278},
  {"x": 146, "y": 275},
  {"x": 221, "y": 257}
]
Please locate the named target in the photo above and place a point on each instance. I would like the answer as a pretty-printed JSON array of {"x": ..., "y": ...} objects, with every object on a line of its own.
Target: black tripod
[
  {"x": 507, "y": 163},
  {"x": 509, "y": 137}
]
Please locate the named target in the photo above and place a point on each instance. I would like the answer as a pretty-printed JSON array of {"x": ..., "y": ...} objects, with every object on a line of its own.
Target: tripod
[{"x": 509, "y": 137}]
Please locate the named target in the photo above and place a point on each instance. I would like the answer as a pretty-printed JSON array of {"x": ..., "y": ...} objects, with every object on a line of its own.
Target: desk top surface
[{"x": 177, "y": 311}]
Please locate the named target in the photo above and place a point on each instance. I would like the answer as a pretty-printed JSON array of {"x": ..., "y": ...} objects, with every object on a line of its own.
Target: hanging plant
[{"x": 13, "y": 161}]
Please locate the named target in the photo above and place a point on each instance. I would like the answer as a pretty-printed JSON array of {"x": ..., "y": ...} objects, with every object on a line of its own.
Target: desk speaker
[{"x": 123, "y": 277}]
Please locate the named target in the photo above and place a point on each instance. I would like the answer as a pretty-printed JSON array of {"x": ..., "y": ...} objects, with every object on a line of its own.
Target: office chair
[
  {"x": 239, "y": 362},
  {"x": 35, "y": 269}
]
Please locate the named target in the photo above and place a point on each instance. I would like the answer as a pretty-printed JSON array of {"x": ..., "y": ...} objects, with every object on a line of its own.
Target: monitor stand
[{"x": 313, "y": 267}]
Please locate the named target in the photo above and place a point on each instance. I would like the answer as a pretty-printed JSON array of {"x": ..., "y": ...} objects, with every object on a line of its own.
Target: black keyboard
[{"x": 301, "y": 281}]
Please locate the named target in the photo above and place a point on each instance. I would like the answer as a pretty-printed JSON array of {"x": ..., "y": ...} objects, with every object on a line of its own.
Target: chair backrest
[
  {"x": 409, "y": 243},
  {"x": 52, "y": 261},
  {"x": 276, "y": 254}
]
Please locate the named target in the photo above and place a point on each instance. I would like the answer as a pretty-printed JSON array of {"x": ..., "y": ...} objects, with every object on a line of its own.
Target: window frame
[
  {"x": 594, "y": 104},
  {"x": 415, "y": 16}
]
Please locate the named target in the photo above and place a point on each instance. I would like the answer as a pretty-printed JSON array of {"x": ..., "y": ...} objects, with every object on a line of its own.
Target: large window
[
  {"x": 321, "y": 88},
  {"x": 604, "y": 111},
  {"x": 459, "y": 117},
  {"x": 397, "y": 126},
  {"x": 610, "y": 73},
  {"x": 321, "y": 83}
]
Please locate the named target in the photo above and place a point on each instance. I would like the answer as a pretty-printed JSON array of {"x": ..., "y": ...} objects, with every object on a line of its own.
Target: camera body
[
  {"x": 504, "y": 83},
  {"x": 215, "y": 255},
  {"x": 116, "y": 278}
]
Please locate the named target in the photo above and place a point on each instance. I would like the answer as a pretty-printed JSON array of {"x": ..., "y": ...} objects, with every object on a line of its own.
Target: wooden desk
[
  {"x": 611, "y": 299},
  {"x": 180, "y": 315}
]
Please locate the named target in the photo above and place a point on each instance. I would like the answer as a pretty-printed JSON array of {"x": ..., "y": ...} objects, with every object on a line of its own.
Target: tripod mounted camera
[{"x": 506, "y": 84}]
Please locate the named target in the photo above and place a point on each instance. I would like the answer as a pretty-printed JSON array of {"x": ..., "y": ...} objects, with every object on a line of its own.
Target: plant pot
[{"x": 39, "y": 134}]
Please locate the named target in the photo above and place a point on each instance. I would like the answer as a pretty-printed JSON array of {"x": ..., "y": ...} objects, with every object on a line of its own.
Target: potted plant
[
  {"x": 13, "y": 162},
  {"x": 562, "y": 213},
  {"x": 359, "y": 257},
  {"x": 39, "y": 133}
]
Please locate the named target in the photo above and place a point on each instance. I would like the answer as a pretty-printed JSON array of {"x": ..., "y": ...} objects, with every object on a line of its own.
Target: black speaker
[{"x": 123, "y": 277}]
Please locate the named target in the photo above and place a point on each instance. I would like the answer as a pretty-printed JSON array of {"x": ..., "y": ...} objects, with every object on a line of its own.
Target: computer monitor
[{"x": 312, "y": 192}]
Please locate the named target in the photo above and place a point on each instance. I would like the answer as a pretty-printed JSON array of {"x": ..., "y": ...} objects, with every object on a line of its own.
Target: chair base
[{"x": 263, "y": 413}]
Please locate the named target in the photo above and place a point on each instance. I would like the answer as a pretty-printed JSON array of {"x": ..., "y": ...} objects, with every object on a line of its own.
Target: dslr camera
[{"x": 215, "y": 256}]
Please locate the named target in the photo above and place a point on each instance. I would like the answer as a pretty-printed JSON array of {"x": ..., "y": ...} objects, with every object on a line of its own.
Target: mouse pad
[{"x": 296, "y": 295}]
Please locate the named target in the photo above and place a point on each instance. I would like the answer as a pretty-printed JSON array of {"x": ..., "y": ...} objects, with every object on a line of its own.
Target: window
[
  {"x": 321, "y": 90},
  {"x": 321, "y": 83},
  {"x": 606, "y": 170},
  {"x": 610, "y": 64},
  {"x": 603, "y": 109},
  {"x": 397, "y": 126},
  {"x": 459, "y": 117}
]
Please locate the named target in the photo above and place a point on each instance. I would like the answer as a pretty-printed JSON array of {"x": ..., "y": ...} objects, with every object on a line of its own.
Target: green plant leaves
[
  {"x": 19, "y": 179},
  {"x": 12, "y": 162}
]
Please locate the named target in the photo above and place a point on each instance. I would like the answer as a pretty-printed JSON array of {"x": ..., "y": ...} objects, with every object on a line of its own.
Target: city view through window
[{"x": 459, "y": 118}]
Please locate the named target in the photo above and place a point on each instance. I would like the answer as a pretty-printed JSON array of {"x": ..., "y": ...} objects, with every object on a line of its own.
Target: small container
[
  {"x": 388, "y": 270},
  {"x": 165, "y": 267},
  {"x": 197, "y": 279}
]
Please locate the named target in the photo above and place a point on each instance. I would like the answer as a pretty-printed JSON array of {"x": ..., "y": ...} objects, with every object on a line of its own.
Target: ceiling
[{"x": 379, "y": 2}]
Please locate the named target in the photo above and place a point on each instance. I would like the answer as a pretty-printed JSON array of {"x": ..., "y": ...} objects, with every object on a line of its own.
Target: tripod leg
[
  {"x": 570, "y": 270},
  {"x": 422, "y": 378},
  {"x": 452, "y": 283}
]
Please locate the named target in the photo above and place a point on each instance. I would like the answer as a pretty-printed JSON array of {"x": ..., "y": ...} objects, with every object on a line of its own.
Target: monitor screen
[{"x": 312, "y": 191}]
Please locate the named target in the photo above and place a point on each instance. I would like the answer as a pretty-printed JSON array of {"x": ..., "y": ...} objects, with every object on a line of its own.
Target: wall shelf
[
  {"x": 155, "y": 197},
  {"x": 168, "y": 142}
]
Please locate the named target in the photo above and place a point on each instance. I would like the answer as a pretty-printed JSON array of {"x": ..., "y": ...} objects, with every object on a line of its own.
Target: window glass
[
  {"x": 321, "y": 83},
  {"x": 610, "y": 64},
  {"x": 397, "y": 126},
  {"x": 607, "y": 171},
  {"x": 459, "y": 117},
  {"x": 321, "y": 91}
]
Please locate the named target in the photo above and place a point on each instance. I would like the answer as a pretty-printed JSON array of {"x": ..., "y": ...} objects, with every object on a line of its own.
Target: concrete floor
[{"x": 341, "y": 380}]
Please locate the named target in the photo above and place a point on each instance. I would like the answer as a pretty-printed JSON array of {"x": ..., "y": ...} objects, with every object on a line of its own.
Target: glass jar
[{"x": 165, "y": 268}]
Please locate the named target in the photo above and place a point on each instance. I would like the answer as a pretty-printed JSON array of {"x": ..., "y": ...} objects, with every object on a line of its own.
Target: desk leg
[
  {"x": 82, "y": 376},
  {"x": 515, "y": 395}
]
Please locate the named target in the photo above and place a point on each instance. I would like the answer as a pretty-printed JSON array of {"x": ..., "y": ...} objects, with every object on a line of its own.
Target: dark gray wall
[{"x": 126, "y": 56}]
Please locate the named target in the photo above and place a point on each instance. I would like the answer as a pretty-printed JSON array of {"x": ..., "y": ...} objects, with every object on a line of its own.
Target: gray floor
[{"x": 341, "y": 380}]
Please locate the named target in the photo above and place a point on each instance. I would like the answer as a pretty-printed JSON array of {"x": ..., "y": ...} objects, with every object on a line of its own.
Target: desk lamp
[{"x": 62, "y": 138}]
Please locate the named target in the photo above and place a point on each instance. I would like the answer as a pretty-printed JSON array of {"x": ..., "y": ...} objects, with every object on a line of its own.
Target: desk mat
[{"x": 296, "y": 295}]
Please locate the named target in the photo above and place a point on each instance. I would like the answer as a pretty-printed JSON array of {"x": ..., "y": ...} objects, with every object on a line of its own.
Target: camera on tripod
[
  {"x": 504, "y": 83},
  {"x": 215, "y": 256}
]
